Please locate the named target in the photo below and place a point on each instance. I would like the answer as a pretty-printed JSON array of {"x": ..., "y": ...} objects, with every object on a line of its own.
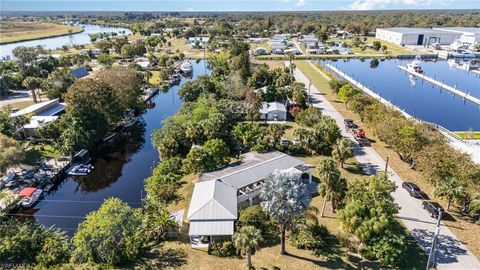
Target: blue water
[
  {"x": 57, "y": 42},
  {"x": 119, "y": 172},
  {"x": 419, "y": 98}
]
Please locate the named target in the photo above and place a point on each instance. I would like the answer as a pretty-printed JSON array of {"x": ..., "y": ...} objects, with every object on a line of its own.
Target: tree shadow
[{"x": 448, "y": 248}]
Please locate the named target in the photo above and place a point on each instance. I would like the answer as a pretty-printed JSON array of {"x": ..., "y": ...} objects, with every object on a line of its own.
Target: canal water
[
  {"x": 119, "y": 173},
  {"x": 57, "y": 42},
  {"x": 418, "y": 98}
]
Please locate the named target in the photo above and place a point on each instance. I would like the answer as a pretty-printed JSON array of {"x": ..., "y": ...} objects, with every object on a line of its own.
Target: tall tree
[
  {"x": 342, "y": 150},
  {"x": 451, "y": 189},
  {"x": 247, "y": 239},
  {"x": 329, "y": 176},
  {"x": 111, "y": 235},
  {"x": 284, "y": 197},
  {"x": 32, "y": 84}
]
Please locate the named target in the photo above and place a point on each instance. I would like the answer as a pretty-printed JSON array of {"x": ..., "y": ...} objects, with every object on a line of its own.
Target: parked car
[
  {"x": 433, "y": 208},
  {"x": 413, "y": 189}
]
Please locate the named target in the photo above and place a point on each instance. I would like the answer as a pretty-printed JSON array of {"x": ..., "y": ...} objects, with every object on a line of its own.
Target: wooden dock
[{"x": 462, "y": 94}]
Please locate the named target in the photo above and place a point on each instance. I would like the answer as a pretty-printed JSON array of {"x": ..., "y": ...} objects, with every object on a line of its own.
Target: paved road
[
  {"x": 451, "y": 253},
  {"x": 19, "y": 96}
]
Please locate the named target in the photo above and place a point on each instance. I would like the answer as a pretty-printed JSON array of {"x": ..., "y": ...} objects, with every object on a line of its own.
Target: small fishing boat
[
  {"x": 30, "y": 196},
  {"x": 129, "y": 121},
  {"x": 186, "y": 67},
  {"x": 416, "y": 65},
  {"x": 80, "y": 170}
]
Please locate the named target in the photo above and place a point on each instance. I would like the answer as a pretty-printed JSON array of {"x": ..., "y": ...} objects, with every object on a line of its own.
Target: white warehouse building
[
  {"x": 469, "y": 35},
  {"x": 417, "y": 36}
]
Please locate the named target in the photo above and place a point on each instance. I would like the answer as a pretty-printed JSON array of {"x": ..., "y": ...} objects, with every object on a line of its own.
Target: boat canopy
[{"x": 27, "y": 192}]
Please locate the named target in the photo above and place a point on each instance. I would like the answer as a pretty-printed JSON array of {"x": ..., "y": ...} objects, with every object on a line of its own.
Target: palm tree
[
  {"x": 342, "y": 150},
  {"x": 247, "y": 240},
  {"x": 284, "y": 197},
  {"x": 450, "y": 188},
  {"x": 329, "y": 175},
  {"x": 475, "y": 205},
  {"x": 32, "y": 84}
]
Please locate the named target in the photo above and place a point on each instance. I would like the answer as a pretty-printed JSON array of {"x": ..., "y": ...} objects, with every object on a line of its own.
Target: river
[
  {"x": 57, "y": 42},
  {"x": 419, "y": 98},
  {"x": 119, "y": 172}
]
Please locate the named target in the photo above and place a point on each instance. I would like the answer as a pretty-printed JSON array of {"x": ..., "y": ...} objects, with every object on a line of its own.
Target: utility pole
[
  {"x": 309, "y": 84},
  {"x": 431, "y": 256}
]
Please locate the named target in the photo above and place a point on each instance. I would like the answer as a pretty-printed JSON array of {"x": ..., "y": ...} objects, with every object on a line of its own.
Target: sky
[{"x": 231, "y": 5}]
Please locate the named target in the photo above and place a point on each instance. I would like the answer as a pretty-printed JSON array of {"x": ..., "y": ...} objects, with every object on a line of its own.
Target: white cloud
[
  {"x": 379, "y": 4},
  {"x": 300, "y": 3}
]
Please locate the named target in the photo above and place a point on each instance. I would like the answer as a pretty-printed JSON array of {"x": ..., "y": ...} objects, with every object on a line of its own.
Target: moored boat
[
  {"x": 80, "y": 170},
  {"x": 30, "y": 196},
  {"x": 186, "y": 67},
  {"x": 416, "y": 65}
]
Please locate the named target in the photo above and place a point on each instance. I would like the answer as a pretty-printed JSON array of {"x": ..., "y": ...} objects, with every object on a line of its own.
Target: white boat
[
  {"x": 29, "y": 201},
  {"x": 416, "y": 65},
  {"x": 80, "y": 170},
  {"x": 129, "y": 122},
  {"x": 186, "y": 67}
]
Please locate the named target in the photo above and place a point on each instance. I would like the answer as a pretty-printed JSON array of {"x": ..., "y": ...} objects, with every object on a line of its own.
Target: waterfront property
[
  {"x": 217, "y": 195},
  {"x": 42, "y": 114}
]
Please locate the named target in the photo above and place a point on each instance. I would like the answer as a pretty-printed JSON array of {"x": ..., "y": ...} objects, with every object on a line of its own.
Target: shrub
[
  {"x": 310, "y": 237},
  {"x": 222, "y": 249}
]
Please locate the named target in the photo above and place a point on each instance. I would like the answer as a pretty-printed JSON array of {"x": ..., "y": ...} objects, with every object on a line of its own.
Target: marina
[{"x": 415, "y": 97}]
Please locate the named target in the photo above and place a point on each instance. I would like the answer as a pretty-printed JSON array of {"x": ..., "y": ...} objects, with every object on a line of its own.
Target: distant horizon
[{"x": 233, "y": 6}]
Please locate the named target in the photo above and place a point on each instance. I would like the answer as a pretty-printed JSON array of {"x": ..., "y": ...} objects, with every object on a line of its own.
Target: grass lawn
[
  {"x": 13, "y": 31},
  {"x": 391, "y": 48},
  {"x": 155, "y": 79},
  {"x": 38, "y": 151},
  {"x": 462, "y": 226},
  {"x": 474, "y": 135},
  {"x": 21, "y": 104}
]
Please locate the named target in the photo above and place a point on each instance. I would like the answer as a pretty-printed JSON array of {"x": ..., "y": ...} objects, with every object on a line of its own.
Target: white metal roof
[
  {"x": 272, "y": 106},
  {"x": 36, "y": 108},
  {"x": 213, "y": 200},
  {"x": 254, "y": 168},
  {"x": 211, "y": 227}
]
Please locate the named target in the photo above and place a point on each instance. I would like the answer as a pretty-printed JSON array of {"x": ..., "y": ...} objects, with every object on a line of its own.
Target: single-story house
[
  {"x": 273, "y": 111},
  {"x": 216, "y": 196},
  {"x": 314, "y": 51},
  {"x": 277, "y": 51},
  {"x": 293, "y": 51}
]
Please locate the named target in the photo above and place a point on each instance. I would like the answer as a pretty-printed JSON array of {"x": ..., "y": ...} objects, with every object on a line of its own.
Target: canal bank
[{"x": 119, "y": 171}]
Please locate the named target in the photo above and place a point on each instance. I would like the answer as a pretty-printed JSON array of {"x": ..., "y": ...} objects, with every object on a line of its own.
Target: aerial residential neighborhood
[{"x": 239, "y": 135}]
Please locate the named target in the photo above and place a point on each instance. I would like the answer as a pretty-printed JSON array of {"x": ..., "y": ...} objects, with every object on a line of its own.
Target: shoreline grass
[{"x": 13, "y": 32}]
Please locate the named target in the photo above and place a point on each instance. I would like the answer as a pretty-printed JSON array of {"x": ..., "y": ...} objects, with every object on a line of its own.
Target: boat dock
[
  {"x": 365, "y": 89},
  {"x": 464, "y": 95}
]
